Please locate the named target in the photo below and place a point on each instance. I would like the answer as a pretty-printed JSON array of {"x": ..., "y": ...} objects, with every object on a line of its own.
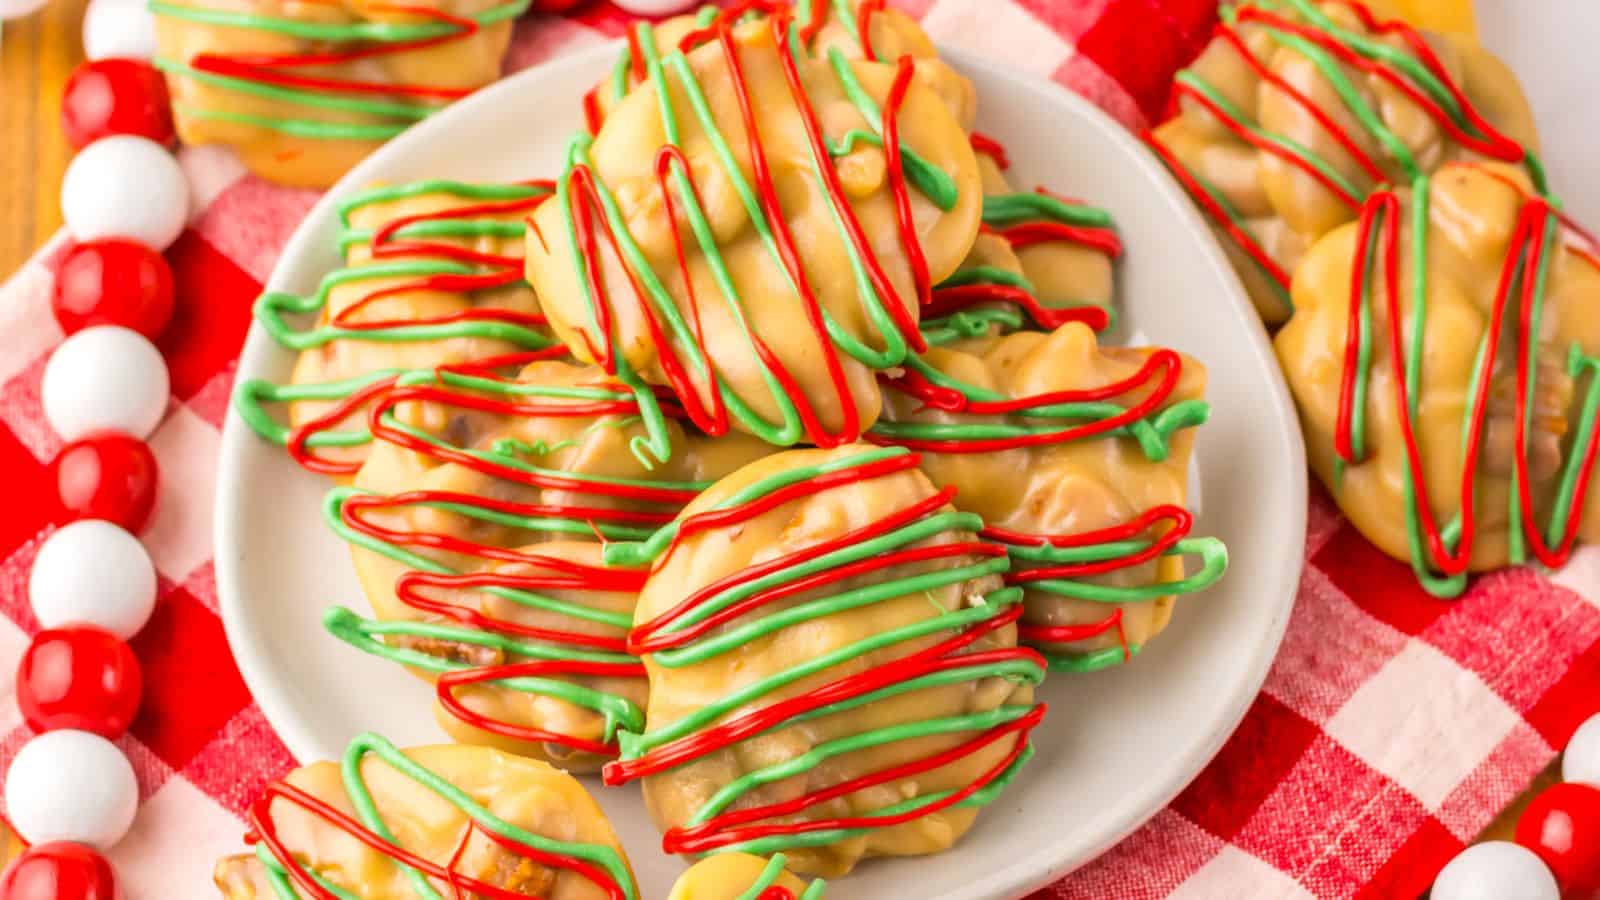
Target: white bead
[
  {"x": 655, "y": 7},
  {"x": 71, "y": 786},
  {"x": 122, "y": 28},
  {"x": 93, "y": 573},
  {"x": 1581, "y": 761},
  {"x": 105, "y": 378},
  {"x": 125, "y": 187},
  {"x": 16, "y": 9},
  {"x": 1496, "y": 870}
]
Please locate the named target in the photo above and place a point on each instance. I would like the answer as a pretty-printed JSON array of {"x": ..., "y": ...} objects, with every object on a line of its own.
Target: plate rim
[{"x": 1023, "y": 874}]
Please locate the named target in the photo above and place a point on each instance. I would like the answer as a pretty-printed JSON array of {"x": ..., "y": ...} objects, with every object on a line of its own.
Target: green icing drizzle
[
  {"x": 970, "y": 323},
  {"x": 795, "y": 766},
  {"x": 1298, "y": 150},
  {"x": 1154, "y": 433},
  {"x": 635, "y": 745},
  {"x": 253, "y": 395},
  {"x": 980, "y": 798},
  {"x": 769, "y": 877},
  {"x": 366, "y": 635},
  {"x": 332, "y": 513},
  {"x": 647, "y": 551},
  {"x": 1002, "y": 210},
  {"x": 1212, "y": 552},
  {"x": 273, "y": 305}
]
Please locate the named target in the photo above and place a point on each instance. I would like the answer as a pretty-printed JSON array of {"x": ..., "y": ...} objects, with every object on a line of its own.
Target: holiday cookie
[
  {"x": 1443, "y": 353},
  {"x": 1040, "y": 261},
  {"x": 741, "y": 876},
  {"x": 385, "y": 824},
  {"x": 475, "y": 526},
  {"x": 432, "y": 277},
  {"x": 1076, "y": 456},
  {"x": 738, "y": 234},
  {"x": 833, "y": 664},
  {"x": 1298, "y": 109},
  {"x": 302, "y": 91}
]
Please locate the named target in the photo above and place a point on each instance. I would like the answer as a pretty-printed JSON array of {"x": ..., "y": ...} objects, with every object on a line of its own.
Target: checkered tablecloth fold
[{"x": 1391, "y": 729}]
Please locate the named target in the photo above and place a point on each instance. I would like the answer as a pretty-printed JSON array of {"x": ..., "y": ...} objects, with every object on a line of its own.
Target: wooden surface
[{"x": 39, "y": 52}]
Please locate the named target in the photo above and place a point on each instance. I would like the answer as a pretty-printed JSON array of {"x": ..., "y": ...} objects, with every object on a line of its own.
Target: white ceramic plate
[{"x": 1116, "y": 746}]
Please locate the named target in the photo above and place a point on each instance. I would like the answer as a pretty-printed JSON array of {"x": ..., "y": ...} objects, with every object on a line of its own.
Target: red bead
[
  {"x": 116, "y": 96},
  {"x": 1562, "y": 825},
  {"x": 107, "y": 476},
  {"x": 59, "y": 871},
  {"x": 113, "y": 283},
  {"x": 79, "y": 677}
]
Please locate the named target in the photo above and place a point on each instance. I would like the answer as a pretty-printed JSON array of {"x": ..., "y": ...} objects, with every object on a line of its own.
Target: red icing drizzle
[
  {"x": 552, "y": 573},
  {"x": 1181, "y": 523},
  {"x": 449, "y": 681},
  {"x": 494, "y": 406},
  {"x": 1163, "y": 363},
  {"x": 502, "y": 270},
  {"x": 269, "y": 68},
  {"x": 983, "y": 143},
  {"x": 740, "y": 825},
  {"x": 1219, "y": 216},
  {"x": 303, "y": 453},
  {"x": 953, "y": 298},
  {"x": 1492, "y": 144}
]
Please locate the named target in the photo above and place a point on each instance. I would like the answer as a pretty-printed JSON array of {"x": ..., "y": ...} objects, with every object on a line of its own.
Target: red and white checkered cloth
[{"x": 1391, "y": 730}]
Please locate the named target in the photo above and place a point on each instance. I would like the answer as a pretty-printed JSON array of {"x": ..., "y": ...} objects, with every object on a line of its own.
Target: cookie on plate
[
  {"x": 833, "y": 665},
  {"x": 1077, "y": 458},
  {"x": 476, "y": 527},
  {"x": 385, "y": 824}
]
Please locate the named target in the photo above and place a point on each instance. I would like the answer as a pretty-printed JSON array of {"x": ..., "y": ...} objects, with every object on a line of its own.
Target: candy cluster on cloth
[{"x": 1380, "y": 192}]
